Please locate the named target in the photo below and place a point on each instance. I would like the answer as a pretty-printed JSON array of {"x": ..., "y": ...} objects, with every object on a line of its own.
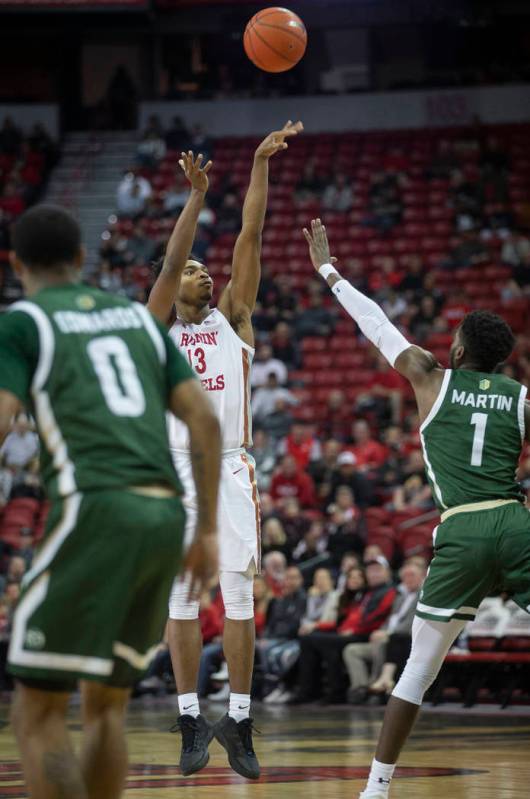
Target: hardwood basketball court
[{"x": 321, "y": 753}]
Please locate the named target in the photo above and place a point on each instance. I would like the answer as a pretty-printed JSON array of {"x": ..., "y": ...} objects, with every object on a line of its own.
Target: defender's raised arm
[
  {"x": 179, "y": 246},
  {"x": 411, "y": 361}
]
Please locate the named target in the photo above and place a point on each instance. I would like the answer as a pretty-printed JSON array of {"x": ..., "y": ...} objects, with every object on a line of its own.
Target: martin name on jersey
[{"x": 497, "y": 402}]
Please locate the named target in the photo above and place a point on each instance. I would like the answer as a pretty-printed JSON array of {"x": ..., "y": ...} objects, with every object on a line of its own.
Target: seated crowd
[{"x": 334, "y": 604}]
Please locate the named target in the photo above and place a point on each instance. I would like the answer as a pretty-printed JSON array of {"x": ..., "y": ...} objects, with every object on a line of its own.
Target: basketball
[{"x": 275, "y": 39}]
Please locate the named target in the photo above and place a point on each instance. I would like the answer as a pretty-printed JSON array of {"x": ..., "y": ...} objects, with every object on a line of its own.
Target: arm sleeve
[
  {"x": 19, "y": 347},
  {"x": 372, "y": 321},
  {"x": 177, "y": 368}
]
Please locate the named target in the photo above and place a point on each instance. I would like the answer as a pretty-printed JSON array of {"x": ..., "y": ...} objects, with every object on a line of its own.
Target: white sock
[
  {"x": 379, "y": 780},
  {"x": 239, "y": 706},
  {"x": 189, "y": 705}
]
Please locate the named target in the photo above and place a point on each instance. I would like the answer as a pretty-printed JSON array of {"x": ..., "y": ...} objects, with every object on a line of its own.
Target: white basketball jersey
[{"x": 222, "y": 362}]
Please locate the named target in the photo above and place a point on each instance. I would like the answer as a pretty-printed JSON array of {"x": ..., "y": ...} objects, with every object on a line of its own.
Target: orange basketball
[{"x": 275, "y": 39}]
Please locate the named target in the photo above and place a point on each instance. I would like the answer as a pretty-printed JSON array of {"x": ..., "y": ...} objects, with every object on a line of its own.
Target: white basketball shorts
[{"x": 238, "y": 525}]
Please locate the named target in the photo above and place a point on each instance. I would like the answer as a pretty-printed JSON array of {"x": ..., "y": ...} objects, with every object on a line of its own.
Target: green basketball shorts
[
  {"x": 94, "y": 604},
  {"x": 477, "y": 553}
]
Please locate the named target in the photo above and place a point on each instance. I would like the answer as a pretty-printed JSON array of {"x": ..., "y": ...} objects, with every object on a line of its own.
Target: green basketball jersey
[
  {"x": 472, "y": 438},
  {"x": 96, "y": 372}
]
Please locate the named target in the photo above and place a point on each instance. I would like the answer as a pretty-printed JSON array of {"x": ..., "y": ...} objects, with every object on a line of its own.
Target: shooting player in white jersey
[{"x": 219, "y": 344}]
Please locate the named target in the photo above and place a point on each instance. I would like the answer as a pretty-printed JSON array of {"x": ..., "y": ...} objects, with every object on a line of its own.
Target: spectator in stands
[
  {"x": 274, "y": 571},
  {"x": 201, "y": 143},
  {"x": 313, "y": 544},
  {"x": 284, "y": 346},
  {"x": 336, "y": 421},
  {"x": 369, "y": 453},
  {"x": 310, "y": 186},
  {"x": 286, "y": 302},
  {"x": 274, "y": 650},
  {"x": 20, "y": 446},
  {"x": 385, "y": 203},
  {"x": 318, "y": 655},
  {"x": 265, "y": 364},
  {"x": 132, "y": 195},
  {"x": 350, "y": 560},
  {"x": 317, "y": 598},
  {"x": 470, "y": 251},
  {"x": 412, "y": 283},
  {"x": 10, "y": 137},
  {"x": 274, "y": 538},
  {"x": 151, "y": 150},
  {"x": 286, "y": 609},
  {"x": 11, "y": 199},
  {"x": 264, "y": 455},
  {"x": 141, "y": 249},
  {"x": 422, "y": 322},
  {"x": 177, "y": 136},
  {"x": 316, "y": 319},
  {"x": 338, "y": 196},
  {"x": 16, "y": 570},
  {"x": 516, "y": 249},
  {"x": 114, "y": 247},
  {"x": 322, "y": 470},
  {"x": 175, "y": 198},
  {"x": 348, "y": 474},
  {"x": 6, "y": 482},
  {"x": 343, "y": 528},
  {"x": 381, "y": 660},
  {"x": 27, "y": 482},
  {"x": 109, "y": 279},
  {"x": 265, "y": 397},
  {"x": 415, "y": 493},
  {"x": 385, "y": 395},
  {"x": 278, "y": 423},
  {"x": 393, "y": 304},
  {"x": 290, "y": 481},
  {"x": 295, "y": 522},
  {"x": 229, "y": 214},
  {"x": 302, "y": 444}
]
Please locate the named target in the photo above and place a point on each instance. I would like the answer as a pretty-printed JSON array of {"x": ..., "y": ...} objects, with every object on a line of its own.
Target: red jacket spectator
[
  {"x": 371, "y": 613},
  {"x": 291, "y": 481},
  {"x": 211, "y": 619},
  {"x": 368, "y": 452},
  {"x": 301, "y": 444}
]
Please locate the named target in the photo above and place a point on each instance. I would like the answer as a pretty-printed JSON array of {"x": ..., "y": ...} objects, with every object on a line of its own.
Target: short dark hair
[
  {"x": 46, "y": 237},
  {"x": 157, "y": 265},
  {"x": 488, "y": 340}
]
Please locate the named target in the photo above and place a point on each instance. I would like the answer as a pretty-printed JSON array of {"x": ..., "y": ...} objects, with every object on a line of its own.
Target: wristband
[{"x": 326, "y": 270}]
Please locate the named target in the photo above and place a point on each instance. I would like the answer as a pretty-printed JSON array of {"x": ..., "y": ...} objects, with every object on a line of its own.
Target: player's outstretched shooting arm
[
  {"x": 239, "y": 298},
  {"x": 416, "y": 364},
  {"x": 180, "y": 243}
]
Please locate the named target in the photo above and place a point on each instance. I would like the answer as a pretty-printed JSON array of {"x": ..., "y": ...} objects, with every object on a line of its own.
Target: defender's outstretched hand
[
  {"x": 275, "y": 141},
  {"x": 194, "y": 171},
  {"x": 318, "y": 244}
]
